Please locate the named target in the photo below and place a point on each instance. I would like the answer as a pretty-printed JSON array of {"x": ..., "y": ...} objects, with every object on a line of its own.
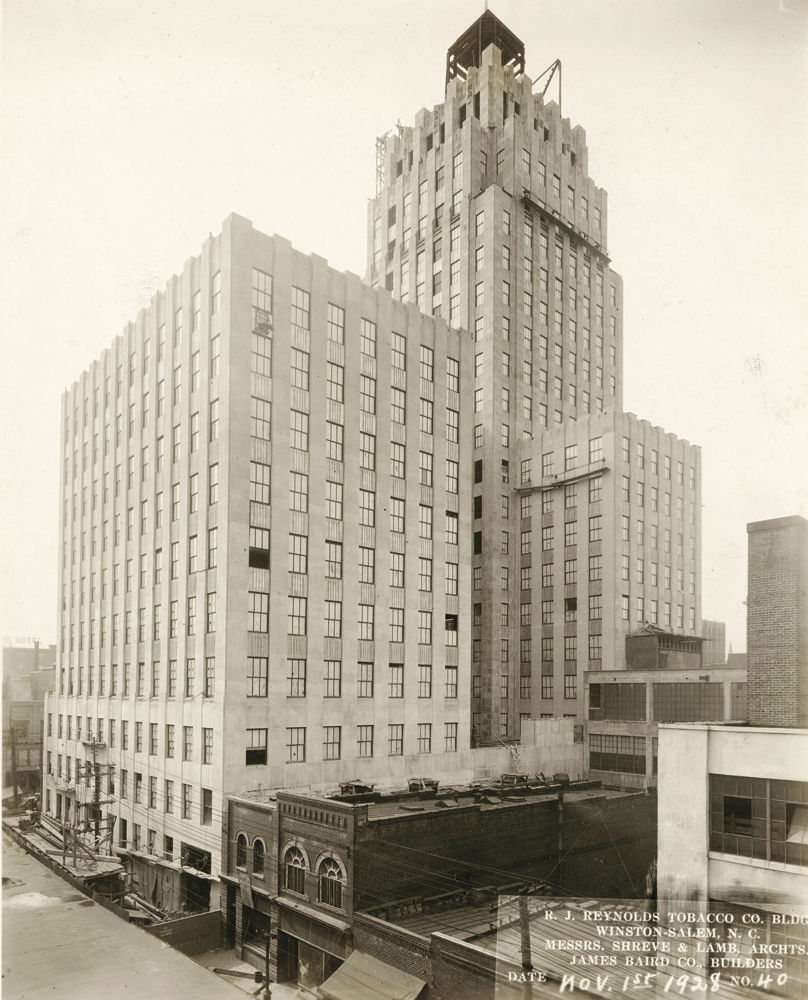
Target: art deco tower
[{"x": 585, "y": 520}]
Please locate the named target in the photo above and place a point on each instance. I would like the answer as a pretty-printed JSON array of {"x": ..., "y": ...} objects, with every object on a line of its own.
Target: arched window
[
  {"x": 241, "y": 851},
  {"x": 330, "y": 878},
  {"x": 258, "y": 857},
  {"x": 295, "y": 871}
]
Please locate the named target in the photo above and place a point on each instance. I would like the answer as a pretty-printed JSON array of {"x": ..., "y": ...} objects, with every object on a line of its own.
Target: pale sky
[{"x": 129, "y": 131}]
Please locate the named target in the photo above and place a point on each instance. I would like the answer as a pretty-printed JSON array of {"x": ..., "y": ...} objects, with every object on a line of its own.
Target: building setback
[
  {"x": 251, "y": 477},
  {"x": 485, "y": 214},
  {"x": 310, "y": 533}
]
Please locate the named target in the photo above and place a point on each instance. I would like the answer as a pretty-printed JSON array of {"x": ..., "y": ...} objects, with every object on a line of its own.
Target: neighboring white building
[{"x": 265, "y": 572}]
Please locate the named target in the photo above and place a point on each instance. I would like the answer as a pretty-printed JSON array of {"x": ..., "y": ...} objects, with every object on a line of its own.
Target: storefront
[{"x": 311, "y": 945}]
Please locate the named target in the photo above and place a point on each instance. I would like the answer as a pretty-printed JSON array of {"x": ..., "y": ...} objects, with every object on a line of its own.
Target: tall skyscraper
[
  {"x": 586, "y": 521},
  {"x": 312, "y": 530}
]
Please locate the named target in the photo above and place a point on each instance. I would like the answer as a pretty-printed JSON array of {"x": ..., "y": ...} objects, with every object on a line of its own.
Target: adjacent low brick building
[
  {"x": 325, "y": 878},
  {"x": 777, "y": 622}
]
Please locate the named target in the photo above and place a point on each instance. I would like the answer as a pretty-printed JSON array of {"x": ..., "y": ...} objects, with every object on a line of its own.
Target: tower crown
[{"x": 487, "y": 30}]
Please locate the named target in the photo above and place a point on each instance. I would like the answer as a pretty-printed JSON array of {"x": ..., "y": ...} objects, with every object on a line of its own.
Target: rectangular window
[
  {"x": 296, "y": 745},
  {"x": 333, "y": 679},
  {"x": 364, "y": 741},
  {"x": 396, "y": 681},
  {"x": 296, "y": 678},
  {"x": 299, "y": 430},
  {"x": 333, "y": 619},
  {"x": 258, "y": 612},
  {"x": 332, "y": 742},
  {"x": 297, "y": 615},
  {"x": 256, "y": 748},
  {"x": 364, "y": 680}
]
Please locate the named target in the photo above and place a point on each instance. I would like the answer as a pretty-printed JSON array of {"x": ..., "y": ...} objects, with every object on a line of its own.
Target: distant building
[
  {"x": 664, "y": 681},
  {"x": 29, "y": 671},
  {"x": 733, "y": 800},
  {"x": 714, "y": 644}
]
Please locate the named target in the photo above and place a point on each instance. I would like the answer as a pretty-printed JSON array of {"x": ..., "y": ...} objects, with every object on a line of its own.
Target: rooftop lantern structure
[{"x": 467, "y": 51}]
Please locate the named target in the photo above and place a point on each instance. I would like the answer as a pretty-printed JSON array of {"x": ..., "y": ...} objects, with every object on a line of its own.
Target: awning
[{"x": 362, "y": 977}]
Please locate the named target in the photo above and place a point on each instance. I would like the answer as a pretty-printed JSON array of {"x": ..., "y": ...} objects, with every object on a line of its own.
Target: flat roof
[
  {"x": 56, "y": 941},
  {"x": 419, "y": 807}
]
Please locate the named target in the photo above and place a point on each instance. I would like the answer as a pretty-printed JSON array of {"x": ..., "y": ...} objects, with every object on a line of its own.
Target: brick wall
[
  {"x": 608, "y": 846},
  {"x": 407, "y": 856},
  {"x": 777, "y": 622},
  {"x": 398, "y": 947}
]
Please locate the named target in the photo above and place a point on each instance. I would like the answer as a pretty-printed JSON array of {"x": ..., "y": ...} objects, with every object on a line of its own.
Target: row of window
[
  {"x": 196, "y": 312},
  {"x": 256, "y": 746},
  {"x": 546, "y": 685},
  {"x": 145, "y": 793},
  {"x": 298, "y": 615},
  {"x": 147, "y": 679},
  {"x": 297, "y": 676},
  {"x": 193, "y": 434},
  {"x": 146, "y": 738}
]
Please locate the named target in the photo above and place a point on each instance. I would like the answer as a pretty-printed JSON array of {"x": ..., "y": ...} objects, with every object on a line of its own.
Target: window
[
  {"x": 366, "y": 621},
  {"x": 332, "y": 742},
  {"x": 366, "y": 564},
  {"x": 297, "y": 615},
  {"x": 300, "y": 308},
  {"x": 333, "y": 560},
  {"x": 296, "y": 678},
  {"x": 330, "y": 882},
  {"x": 396, "y": 625},
  {"x": 368, "y": 337},
  {"x": 334, "y": 440},
  {"x": 333, "y": 619},
  {"x": 335, "y": 379},
  {"x": 294, "y": 867},
  {"x": 295, "y": 745},
  {"x": 364, "y": 680},
  {"x": 367, "y": 451},
  {"x": 397, "y": 462},
  {"x": 299, "y": 430},
  {"x": 259, "y": 854},
  {"x": 298, "y": 491},
  {"x": 396, "y": 514},
  {"x": 395, "y": 740},
  {"x": 256, "y": 751},
  {"x": 451, "y": 527},
  {"x": 333, "y": 679},
  {"x": 258, "y": 612},
  {"x": 336, "y": 323},
  {"x": 365, "y": 741}
]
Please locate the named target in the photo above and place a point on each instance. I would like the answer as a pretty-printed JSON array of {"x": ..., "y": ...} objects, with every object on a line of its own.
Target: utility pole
[
  {"x": 560, "y": 833},
  {"x": 524, "y": 929},
  {"x": 96, "y": 795},
  {"x": 14, "y": 766}
]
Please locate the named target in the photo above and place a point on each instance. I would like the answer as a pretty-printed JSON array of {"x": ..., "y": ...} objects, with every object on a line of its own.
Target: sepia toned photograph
[{"x": 404, "y": 588}]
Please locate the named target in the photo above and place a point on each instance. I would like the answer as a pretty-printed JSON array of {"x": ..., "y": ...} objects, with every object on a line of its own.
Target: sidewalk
[{"x": 226, "y": 959}]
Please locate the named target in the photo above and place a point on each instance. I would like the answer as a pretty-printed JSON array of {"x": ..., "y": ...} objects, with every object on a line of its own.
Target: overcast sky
[{"x": 131, "y": 130}]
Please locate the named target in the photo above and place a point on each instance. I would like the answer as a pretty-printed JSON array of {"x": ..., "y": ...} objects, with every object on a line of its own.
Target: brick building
[
  {"x": 330, "y": 879},
  {"x": 28, "y": 673},
  {"x": 777, "y": 622}
]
